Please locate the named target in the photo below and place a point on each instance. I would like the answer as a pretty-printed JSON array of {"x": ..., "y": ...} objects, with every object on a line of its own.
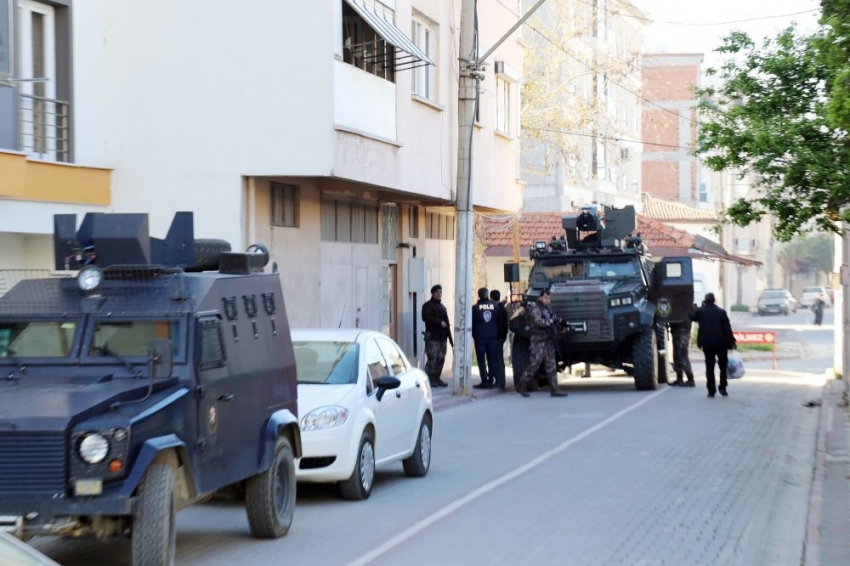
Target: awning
[{"x": 407, "y": 55}]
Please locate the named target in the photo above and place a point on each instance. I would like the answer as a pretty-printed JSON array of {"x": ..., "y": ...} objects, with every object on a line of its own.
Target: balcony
[{"x": 41, "y": 127}]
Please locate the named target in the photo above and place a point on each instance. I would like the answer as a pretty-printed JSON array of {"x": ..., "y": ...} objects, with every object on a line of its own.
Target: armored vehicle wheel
[
  {"x": 417, "y": 464},
  {"x": 662, "y": 367},
  {"x": 359, "y": 485},
  {"x": 270, "y": 495},
  {"x": 154, "y": 536},
  {"x": 645, "y": 358}
]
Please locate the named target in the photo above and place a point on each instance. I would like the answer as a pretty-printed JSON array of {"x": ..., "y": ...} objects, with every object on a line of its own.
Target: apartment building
[
  {"x": 582, "y": 105},
  {"x": 326, "y": 130}
]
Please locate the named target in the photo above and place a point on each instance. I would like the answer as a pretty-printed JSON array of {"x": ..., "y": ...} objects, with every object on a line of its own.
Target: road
[{"x": 607, "y": 476}]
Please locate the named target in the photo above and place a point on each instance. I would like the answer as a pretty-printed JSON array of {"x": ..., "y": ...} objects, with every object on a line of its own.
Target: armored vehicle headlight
[
  {"x": 627, "y": 300},
  {"x": 615, "y": 302},
  {"x": 89, "y": 278},
  {"x": 93, "y": 448},
  {"x": 324, "y": 417}
]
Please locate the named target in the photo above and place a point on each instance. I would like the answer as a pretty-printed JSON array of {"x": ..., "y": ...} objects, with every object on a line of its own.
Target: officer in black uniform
[
  {"x": 542, "y": 346},
  {"x": 485, "y": 335},
  {"x": 437, "y": 331},
  {"x": 502, "y": 321}
]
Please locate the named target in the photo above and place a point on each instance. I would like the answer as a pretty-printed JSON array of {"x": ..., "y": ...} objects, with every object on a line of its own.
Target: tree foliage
[
  {"x": 835, "y": 51},
  {"x": 768, "y": 121},
  {"x": 815, "y": 251}
]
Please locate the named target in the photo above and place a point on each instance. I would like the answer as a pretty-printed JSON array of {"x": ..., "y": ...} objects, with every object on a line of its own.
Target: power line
[
  {"x": 558, "y": 46},
  {"x": 616, "y": 12},
  {"x": 612, "y": 138}
]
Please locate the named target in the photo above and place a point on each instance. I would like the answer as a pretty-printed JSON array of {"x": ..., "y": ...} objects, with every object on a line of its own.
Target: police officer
[
  {"x": 542, "y": 346},
  {"x": 485, "y": 334},
  {"x": 502, "y": 322},
  {"x": 681, "y": 334},
  {"x": 437, "y": 331}
]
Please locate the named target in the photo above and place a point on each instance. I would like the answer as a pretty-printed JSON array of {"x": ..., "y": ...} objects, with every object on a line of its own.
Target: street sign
[{"x": 768, "y": 338}]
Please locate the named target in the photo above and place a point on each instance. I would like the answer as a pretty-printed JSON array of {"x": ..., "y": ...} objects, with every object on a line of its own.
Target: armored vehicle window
[
  {"x": 326, "y": 362},
  {"x": 36, "y": 339},
  {"x": 213, "y": 354},
  {"x": 130, "y": 338},
  {"x": 611, "y": 269},
  {"x": 562, "y": 270}
]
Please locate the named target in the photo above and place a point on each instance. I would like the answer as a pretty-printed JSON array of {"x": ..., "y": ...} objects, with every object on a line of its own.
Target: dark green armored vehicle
[
  {"x": 611, "y": 301},
  {"x": 139, "y": 377}
]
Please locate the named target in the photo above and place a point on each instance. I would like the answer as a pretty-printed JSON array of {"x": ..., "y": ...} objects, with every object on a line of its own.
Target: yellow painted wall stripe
[{"x": 25, "y": 179}]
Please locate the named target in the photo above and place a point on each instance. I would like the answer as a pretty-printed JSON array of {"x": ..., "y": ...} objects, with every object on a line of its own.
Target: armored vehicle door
[
  {"x": 229, "y": 415},
  {"x": 673, "y": 288}
]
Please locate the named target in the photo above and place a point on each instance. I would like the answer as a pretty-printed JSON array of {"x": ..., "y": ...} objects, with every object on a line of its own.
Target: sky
[{"x": 682, "y": 26}]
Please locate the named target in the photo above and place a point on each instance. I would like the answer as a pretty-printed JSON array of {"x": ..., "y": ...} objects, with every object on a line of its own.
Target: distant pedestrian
[
  {"x": 715, "y": 338},
  {"x": 542, "y": 346},
  {"x": 817, "y": 307},
  {"x": 680, "y": 333},
  {"x": 502, "y": 320},
  {"x": 485, "y": 335},
  {"x": 437, "y": 332}
]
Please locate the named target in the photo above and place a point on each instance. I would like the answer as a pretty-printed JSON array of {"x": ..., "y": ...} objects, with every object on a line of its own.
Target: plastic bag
[{"x": 735, "y": 365}]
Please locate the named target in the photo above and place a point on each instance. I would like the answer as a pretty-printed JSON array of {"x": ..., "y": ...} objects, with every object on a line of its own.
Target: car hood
[
  {"x": 40, "y": 403},
  {"x": 314, "y": 395}
]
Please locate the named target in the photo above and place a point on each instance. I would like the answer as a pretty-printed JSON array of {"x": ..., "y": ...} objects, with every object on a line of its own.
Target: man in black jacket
[
  {"x": 437, "y": 331},
  {"x": 715, "y": 338},
  {"x": 502, "y": 320}
]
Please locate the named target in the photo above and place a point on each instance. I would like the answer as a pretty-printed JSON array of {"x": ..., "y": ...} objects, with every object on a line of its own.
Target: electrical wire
[
  {"x": 652, "y": 21},
  {"x": 612, "y": 138}
]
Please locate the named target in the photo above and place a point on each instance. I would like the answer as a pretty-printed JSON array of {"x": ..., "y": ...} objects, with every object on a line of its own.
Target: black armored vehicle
[
  {"x": 611, "y": 301},
  {"x": 139, "y": 377}
]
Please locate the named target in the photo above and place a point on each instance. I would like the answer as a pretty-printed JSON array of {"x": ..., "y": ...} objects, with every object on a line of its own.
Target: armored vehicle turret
[
  {"x": 137, "y": 378},
  {"x": 612, "y": 302}
]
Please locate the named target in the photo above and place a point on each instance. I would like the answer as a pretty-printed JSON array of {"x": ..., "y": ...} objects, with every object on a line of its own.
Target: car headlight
[
  {"x": 93, "y": 448},
  {"x": 324, "y": 417}
]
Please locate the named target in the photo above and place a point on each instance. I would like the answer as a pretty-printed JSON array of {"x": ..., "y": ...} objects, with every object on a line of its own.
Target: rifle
[{"x": 452, "y": 342}]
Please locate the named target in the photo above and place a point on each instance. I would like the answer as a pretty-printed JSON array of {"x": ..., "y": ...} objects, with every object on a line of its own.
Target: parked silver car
[{"x": 777, "y": 301}]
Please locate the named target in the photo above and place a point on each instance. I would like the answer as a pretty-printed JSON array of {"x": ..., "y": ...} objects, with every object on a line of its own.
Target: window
[
  {"x": 346, "y": 221},
  {"x": 375, "y": 363},
  {"x": 389, "y": 229},
  {"x": 413, "y": 231},
  {"x": 364, "y": 48},
  {"x": 703, "y": 192},
  {"x": 130, "y": 338},
  {"x": 440, "y": 226},
  {"x": 326, "y": 362},
  {"x": 503, "y": 106},
  {"x": 36, "y": 339},
  {"x": 284, "y": 205},
  {"x": 395, "y": 357},
  {"x": 423, "y": 76},
  {"x": 213, "y": 354}
]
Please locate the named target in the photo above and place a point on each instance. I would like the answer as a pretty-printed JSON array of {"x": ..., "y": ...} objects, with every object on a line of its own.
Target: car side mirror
[
  {"x": 385, "y": 384},
  {"x": 160, "y": 358}
]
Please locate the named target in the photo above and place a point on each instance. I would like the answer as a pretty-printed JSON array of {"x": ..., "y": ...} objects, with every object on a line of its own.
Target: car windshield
[
  {"x": 813, "y": 290},
  {"x": 774, "y": 295},
  {"x": 43, "y": 339},
  {"x": 611, "y": 269},
  {"x": 326, "y": 362},
  {"x": 130, "y": 338}
]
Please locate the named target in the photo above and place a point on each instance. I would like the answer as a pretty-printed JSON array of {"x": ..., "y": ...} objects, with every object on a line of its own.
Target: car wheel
[
  {"x": 154, "y": 536},
  {"x": 270, "y": 495},
  {"x": 359, "y": 485},
  {"x": 418, "y": 463}
]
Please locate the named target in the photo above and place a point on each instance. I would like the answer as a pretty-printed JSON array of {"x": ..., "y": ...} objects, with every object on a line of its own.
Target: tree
[
  {"x": 816, "y": 252},
  {"x": 768, "y": 120},
  {"x": 835, "y": 52}
]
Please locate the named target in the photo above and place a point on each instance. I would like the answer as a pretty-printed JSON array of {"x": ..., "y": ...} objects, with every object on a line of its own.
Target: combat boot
[
  {"x": 522, "y": 389},
  {"x": 679, "y": 382},
  {"x": 691, "y": 380},
  {"x": 558, "y": 392}
]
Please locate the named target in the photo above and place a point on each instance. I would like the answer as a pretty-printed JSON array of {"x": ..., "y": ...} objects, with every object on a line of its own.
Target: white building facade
[{"x": 326, "y": 130}]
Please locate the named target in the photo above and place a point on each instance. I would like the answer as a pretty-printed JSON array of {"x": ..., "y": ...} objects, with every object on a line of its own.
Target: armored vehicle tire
[
  {"x": 154, "y": 534},
  {"x": 662, "y": 368},
  {"x": 270, "y": 495},
  {"x": 416, "y": 465},
  {"x": 645, "y": 358},
  {"x": 359, "y": 485},
  {"x": 207, "y": 254},
  {"x": 520, "y": 355}
]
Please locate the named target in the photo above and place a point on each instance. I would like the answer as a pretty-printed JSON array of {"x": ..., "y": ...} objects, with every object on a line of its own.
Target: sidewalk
[{"x": 827, "y": 537}]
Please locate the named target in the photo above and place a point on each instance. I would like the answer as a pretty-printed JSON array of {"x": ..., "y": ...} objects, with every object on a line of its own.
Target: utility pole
[
  {"x": 470, "y": 74},
  {"x": 467, "y": 91}
]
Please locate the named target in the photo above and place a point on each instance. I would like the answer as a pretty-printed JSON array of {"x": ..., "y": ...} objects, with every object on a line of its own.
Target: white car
[
  {"x": 807, "y": 298},
  {"x": 361, "y": 405}
]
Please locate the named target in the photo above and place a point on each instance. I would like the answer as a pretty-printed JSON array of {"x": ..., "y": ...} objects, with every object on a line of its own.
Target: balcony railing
[{"x": 43, "y": 127}]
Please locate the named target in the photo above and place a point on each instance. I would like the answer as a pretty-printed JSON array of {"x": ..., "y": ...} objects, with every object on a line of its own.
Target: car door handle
[{"x": 226, "y": 398}]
